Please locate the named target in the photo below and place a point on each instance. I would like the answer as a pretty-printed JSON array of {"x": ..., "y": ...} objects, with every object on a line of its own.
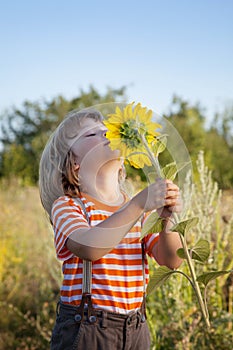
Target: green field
[{"x": 30, "y": 277}]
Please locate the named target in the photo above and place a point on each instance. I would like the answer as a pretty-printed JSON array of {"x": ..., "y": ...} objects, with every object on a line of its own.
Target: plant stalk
[
  {"x": 153, "y": 159},
  {"x": 195, "y": 285}
]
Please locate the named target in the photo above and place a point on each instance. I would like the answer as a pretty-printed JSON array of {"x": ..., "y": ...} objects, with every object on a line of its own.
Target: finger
[
  {"x": 171, "y": 185},
  {"x": 172, "y": 194},
  {"x": 175, "y": 207},
  {"x": 171, "y": 202},
  {"x": 168, "y": 181}
]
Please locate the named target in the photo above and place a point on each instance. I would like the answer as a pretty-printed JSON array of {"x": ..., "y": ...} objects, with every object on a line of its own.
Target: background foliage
[
  {"x": 24, "y": 132},
  {"x": 179, "y": 324},
  {"x": 29, "y": 272}
]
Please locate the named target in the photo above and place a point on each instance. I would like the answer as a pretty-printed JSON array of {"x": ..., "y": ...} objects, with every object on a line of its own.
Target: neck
[{"x": 103, "y": 186}]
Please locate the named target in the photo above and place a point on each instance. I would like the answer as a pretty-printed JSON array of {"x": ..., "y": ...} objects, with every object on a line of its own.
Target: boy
[{"x": 93, "y": 220}]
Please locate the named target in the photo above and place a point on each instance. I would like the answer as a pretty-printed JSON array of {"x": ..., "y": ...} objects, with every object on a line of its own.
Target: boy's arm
[
  {"x": 164, "y": 251},
  {"x": 93, "y": 243}
]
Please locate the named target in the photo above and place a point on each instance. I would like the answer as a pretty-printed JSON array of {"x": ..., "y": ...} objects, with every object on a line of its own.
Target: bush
[{"x": 173, "y": 314}]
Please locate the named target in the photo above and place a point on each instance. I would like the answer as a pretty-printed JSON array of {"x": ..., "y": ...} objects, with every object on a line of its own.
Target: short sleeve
[
  {"x": 150, "y": 239},
  {"x": 67, "y": 217}
]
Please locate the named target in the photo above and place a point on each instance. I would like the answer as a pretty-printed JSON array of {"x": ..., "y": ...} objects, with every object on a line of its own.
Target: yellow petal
[
  {"x": 113, "y": 127},
  {"x": 114, "y": 118},
  {"x": 136, "y": 109},
  {"x": 127, "y": 113},
  {"x": 117, "y": 131}
]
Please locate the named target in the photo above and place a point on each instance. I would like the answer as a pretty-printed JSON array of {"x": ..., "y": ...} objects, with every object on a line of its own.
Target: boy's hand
[
  {"x": 173, "y": 199},
  {"x": 162, "y": 193}
]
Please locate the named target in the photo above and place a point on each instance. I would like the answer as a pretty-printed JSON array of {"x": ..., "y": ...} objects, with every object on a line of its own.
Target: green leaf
[
  {"x": 152, "y": 224},
  {"x": 159, "y": 146},
  {"x": 184, "y": 226},
  {"x": 159, "y": 276},
  {"x": 209, "y": 276},
  {"x": 180, "y": 253},
  {"x": 169, "y": 171},
  {"x": 199, "y": 252}
]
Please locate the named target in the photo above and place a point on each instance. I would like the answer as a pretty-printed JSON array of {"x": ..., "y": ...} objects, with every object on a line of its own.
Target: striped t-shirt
[{"x": 117, "y": 277}]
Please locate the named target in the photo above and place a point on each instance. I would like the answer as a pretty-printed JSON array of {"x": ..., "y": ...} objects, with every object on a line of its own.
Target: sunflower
[{"x": 129, "y": 129}]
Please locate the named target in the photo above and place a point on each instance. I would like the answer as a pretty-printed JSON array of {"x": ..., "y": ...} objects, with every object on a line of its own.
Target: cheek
[{"x": 88, "y": 150}]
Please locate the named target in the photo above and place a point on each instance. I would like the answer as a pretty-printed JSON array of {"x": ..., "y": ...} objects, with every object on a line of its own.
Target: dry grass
[
  {"x": 29, "y": 272},
  {"x": 30, "y": 278}
]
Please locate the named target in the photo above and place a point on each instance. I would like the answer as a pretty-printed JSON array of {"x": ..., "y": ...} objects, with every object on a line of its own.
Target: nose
[{"x": 105, "y": 139}]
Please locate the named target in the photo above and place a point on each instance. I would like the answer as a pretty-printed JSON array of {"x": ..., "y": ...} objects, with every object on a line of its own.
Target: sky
[{"x": 154, "y": 48}]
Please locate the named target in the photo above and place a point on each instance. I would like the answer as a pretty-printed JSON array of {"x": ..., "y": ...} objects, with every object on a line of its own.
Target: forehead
[{"x": 89, "y": 124}]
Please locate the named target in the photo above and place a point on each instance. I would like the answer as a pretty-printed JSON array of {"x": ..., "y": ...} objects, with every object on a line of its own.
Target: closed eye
[{"x": 92, "y": 134}]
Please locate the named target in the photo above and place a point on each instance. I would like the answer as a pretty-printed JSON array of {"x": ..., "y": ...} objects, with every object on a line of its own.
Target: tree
[
  {"x": 219, "y": 147},
  {"x": 25, "y": 131},
  {"x": 189, "y": 122},
  {"x": 217, "y": 141},
  {"x": 223, "y": 123}
]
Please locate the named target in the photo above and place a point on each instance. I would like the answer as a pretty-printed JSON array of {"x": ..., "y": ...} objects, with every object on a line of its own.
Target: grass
[
  {"x": 30, "y": 276},
  {"x": 29, "y": 272}
]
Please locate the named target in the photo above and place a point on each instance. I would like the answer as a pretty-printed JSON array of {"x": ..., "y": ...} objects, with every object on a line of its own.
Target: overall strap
[
  {"x": 86, "y": 302},
  {"x": 87, "y": 264},
  {"x": 143, "y": 307}
]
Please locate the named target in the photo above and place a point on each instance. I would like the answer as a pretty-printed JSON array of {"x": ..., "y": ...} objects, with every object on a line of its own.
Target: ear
[
  {"x": 122, "y": 172},
  {"x": 76, "y": 166}
]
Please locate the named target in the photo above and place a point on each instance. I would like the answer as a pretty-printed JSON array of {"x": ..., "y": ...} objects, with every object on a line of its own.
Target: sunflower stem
[
  {"x": 195, "y": 285},
  {"x": 153, "y": 159}
]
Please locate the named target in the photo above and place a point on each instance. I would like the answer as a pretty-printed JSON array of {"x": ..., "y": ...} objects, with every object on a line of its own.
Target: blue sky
[{"x": 156, "y": 48}]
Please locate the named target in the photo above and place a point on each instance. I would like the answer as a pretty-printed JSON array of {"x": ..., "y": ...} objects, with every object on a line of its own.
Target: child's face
[{"x": 92, "y": 147}]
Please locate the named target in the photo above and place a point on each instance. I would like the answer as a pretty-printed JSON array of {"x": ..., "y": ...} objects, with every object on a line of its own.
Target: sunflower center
[{"x": 130, "y": 134}]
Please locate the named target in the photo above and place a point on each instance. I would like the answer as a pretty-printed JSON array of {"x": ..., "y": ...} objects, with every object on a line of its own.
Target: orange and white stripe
[{"x": 117, "y": 277}]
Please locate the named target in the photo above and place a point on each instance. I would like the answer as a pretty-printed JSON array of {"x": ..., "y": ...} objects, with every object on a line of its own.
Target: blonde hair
[{"x": 56, "y": 173}]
